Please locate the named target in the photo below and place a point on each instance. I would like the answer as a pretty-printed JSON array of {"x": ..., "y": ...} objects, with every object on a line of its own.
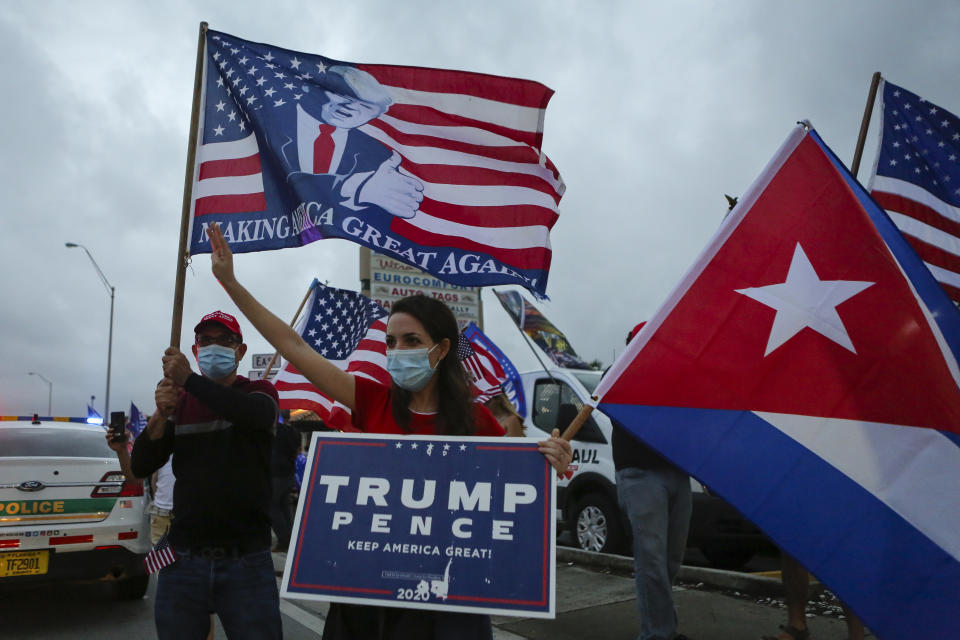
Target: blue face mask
[
  {"x": 217, "y": 362},
  {"x": 410, "y": 368}
]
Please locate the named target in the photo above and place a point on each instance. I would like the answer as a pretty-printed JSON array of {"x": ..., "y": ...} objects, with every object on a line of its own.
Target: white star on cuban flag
[{"x": 804, "y": 300}]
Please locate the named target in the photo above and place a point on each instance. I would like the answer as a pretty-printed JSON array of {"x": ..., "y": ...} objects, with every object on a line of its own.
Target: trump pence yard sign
[{"x": 458, "y": 524}]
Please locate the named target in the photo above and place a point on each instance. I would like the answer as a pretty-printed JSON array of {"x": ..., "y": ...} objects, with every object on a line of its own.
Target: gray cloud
[{"x": 660, "y": 109}]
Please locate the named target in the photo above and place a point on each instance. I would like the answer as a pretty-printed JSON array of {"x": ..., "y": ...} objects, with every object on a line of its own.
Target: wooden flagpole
[
  {"x": 182, "y": 255},
  {"x": 574, "y": 427},
  {"x": 266, "y": 373},
  {"x": 865, "y": 123}
]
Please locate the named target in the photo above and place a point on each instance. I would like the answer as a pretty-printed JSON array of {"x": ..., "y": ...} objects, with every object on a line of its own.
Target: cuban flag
[{"x": 805, "y": 368}]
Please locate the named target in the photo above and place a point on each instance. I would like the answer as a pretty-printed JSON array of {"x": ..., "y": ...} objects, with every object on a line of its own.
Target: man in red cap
[{"x": 220, "y": 427}]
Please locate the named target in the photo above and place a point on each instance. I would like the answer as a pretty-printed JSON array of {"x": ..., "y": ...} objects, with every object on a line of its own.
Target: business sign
[
  {"x": 262, "y": 360},
  {"x": 456, "y": 524},
  {"x": 391, "y": 280}
]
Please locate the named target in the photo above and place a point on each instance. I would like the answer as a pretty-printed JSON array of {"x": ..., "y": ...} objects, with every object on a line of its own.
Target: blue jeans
[
  {"x": 242, "y": 591},
  {"x": 657, "y": 503}
]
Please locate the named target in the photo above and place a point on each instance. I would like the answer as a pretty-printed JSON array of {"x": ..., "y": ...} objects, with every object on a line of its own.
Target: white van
[{"x": 587, "y": 494}]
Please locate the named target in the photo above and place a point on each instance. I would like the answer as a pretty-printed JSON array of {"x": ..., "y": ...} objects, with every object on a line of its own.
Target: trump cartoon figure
[{"x": 333, "y": 156}]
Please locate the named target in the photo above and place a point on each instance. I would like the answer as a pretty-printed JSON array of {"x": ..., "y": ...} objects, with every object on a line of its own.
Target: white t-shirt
[{"x": 163, "y": 499}]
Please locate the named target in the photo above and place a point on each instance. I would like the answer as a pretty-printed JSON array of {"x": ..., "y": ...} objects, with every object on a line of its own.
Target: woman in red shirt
[{"x": 429, "y": 396}]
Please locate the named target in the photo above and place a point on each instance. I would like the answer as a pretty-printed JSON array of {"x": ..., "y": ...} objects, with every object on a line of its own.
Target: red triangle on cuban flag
[
  {"x": 805, "y": 368},
  {"x": 805, "y": 311}
]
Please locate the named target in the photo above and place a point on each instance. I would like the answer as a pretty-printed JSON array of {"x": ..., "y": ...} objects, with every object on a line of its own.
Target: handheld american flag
[
  {"x": 806, "y": 369},
  {"x": 490, "y": 368},
  {"x": 160, "y": 556},
  {"x": 916, "y": 178},
  {"x": 347, "y": 329},
  {"x": 440, "y": 169}
]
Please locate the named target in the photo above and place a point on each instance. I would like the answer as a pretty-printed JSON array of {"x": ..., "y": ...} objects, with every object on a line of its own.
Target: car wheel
[
  {"x": 726, "y": 555},
  {"x": 595, "y": 522},
  {"x": 132, "y": 588}
]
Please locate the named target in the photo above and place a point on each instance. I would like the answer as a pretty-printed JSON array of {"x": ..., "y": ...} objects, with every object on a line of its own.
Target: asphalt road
[{"x": 72, "y": 611}]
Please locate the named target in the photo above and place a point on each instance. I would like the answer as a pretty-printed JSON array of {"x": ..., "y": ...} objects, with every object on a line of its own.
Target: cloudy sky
[{"x": 660, "y": 109}]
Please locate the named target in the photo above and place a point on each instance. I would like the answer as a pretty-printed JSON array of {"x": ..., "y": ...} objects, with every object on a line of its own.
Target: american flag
[
  {"x": 160, "y": 556},
  {"x": 485, "y": 372},
  {"x": 347, "y": 329},
  {"x": 472, "y": 142},
  {"x": 917, "y": 180}
]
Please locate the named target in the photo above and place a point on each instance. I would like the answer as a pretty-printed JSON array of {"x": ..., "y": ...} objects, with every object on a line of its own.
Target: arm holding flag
[{"x": 337, "y": 384}]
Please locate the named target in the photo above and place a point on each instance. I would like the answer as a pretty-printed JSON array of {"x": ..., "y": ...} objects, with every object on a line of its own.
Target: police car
[{"x": 66, "y": 512}]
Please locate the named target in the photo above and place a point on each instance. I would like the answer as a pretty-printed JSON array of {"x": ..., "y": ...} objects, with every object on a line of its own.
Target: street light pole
[
  {"x": 111, "y": 291},
  {"x": 49, "y": 392}
]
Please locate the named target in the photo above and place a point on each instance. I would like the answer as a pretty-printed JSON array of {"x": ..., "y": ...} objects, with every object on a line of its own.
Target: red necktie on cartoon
[{"x": 323, "y": 148}]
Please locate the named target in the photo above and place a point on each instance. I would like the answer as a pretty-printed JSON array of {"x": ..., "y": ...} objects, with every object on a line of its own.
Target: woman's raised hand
[{"x": 221, "y": 257}]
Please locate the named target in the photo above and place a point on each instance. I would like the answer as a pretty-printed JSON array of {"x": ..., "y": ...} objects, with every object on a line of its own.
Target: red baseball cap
[{"x": 221, "y": 318}]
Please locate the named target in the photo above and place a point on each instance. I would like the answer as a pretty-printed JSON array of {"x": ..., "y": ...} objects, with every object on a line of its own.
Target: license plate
[{"x": 23, "y": 563}]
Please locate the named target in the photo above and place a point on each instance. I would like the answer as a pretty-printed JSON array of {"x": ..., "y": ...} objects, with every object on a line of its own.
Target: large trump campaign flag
[
  {"x": 805, "y": 368},
  {"x": 440, "y": 169}
]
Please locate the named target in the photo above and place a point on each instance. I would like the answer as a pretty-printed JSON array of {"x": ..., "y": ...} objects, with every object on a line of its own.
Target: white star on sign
[{"x": 805, "y": 300}]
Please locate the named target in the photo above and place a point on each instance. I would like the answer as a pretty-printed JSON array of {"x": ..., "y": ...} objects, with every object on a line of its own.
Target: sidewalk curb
[{"x": 716, "y": 578}]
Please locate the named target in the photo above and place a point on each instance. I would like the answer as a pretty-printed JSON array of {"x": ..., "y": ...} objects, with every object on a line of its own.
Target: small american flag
[
  {"x": 347, "y": 329},
  {"x": 917, "y": 180},
  {"x": 478, "y": 196},
  {"x": 160, "y": 556},
  {"x": 485, "y": 372}
]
